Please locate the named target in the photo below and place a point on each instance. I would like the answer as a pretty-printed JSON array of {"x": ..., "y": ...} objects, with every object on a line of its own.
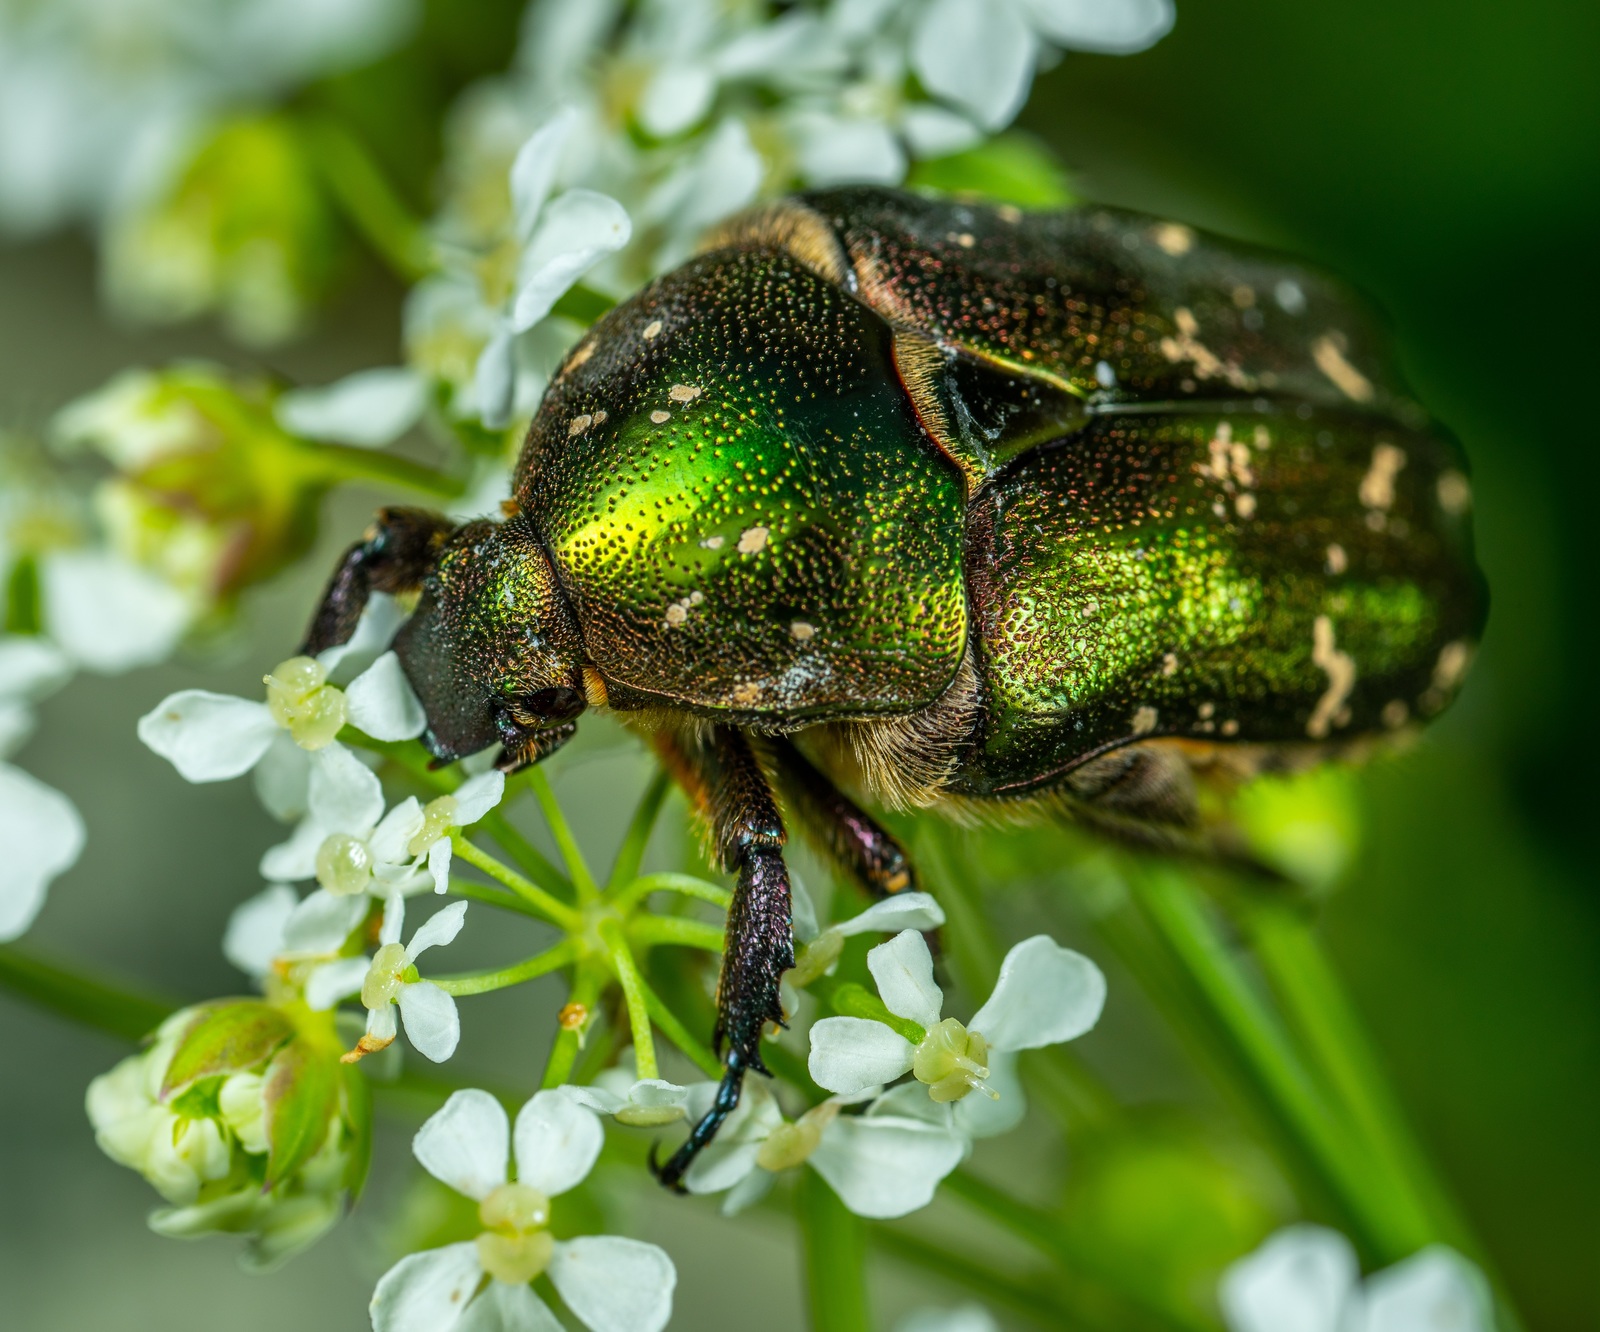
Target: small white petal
[
  {"x": 439, "y": 856},
  {"x": 903, "y": 969},
  {"x": 295, "y": 858},
  {"x": 432, "y": 1023},
  {"x": 394, "y": 832},
  {"x": 849, "y": 1055},
  {"x": 731, "y": 1155},
  {"x": 368, "y": 409},
  {"x": 677, "y": 97},
  {"x": 964, "y": 1318},
  {"x": 494, "y": 381},
  {"x": 108, "y": 614},
  {"x": 466, "y": 1144},
  {"x": 534, "y": 170},
  {"x": 394, "y": 918},
  {"x": 503, "y": 1308},
  {"x": 748, "y": 1191},
  {"x": 31, "y": 667},
  {"x": 557, "y": 1141},
  {"x": 283, "y": 778},
  {"x": 345, "y": 795},
  {"x": 802, "y": 911},
  {"x": 320, "y": 925},
  {"x": 576, "y": 229},
  {"x": 594, "y": 1097},
  {"x": 16, "y": 725},
  {"x": 42, "y": 833},
  {"x": 208, "y": 737},
  {"x": 1436, "y": 1290},
  {"x": 615, "y": 1284},
  {"x": 1300, "y": 1280},
  {"x": 907, "y": 911},
  {"x": 255, "y": 929},
  {"x": 440, "y": 928},
  {"x": 1114, "y": 27},
  {"x": 932, "y": 131},
  {"x": 382, "y": 703},
  {"x": 375, "y": 630},
  {"x": 910, "y": 1100},
  {"x": 882, "y": 1167},
  {"x": 381, "y": 1023},
  {"x": 834, "y": 150},
  {"x": 476, "y": 796},
  {"x": 980, "y": 1116},
  {"x": 978, "y": 54},
  {"x": 426, "y": 1292},
  {"x": 1046, "y": 994},
  {"x": 327, "y": 985}
]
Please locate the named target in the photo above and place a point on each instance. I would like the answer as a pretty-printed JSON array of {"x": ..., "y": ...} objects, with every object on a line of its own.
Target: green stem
[
  {"x": 556, "y": 912},
  {"x": 126, "y": 1014},
  {"x": 686, "y": 885},
  {"x": 481, "y": 982},
  {"x": 835, "y": 1256},
  {"x": 652, "y": 930},
  {"x": 674, "y": 1030},
  {"x": 585, "y": 993},
  {"x": 495, "y": 897},
  {"x": 359, "y": 186},
  {"x": 627, "y": 970},
  {"x": 631, "y": 853},
  {"x": 341, "y": 462},
  {"x": 561, "y": 830}
]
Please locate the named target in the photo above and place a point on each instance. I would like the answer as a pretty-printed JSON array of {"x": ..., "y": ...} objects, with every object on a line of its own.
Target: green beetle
[{"x": 958, "y": 506}]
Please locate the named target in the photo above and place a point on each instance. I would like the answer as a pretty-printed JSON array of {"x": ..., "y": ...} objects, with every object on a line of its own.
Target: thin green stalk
[
  {"x": 686, "y": 885},
  {"x": 556, "y": 912},
  {"x": 561, "y": 830},
  {"x": 652, "y": 930},
  {"x": 674, "y": 1030},
  {"x": 343, "y": 463},
  {"x": 529, "y": 858},
  {"x": 627, "y": 970},
  {"x": 495, "y": 897},
  {"x": 126, "y": 1014},
  {"x": 359, "y": 186},
  {"x": 587, "y": 981},
  {"x": 564, "y": 954},
  {"x": 631, "y": 853},
  {"x": 835, "y": 1256},
  {"x": 980, "y": 1277}
]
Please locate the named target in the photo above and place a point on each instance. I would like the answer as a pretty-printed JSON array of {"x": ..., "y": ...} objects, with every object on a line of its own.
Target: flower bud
[{"x": 239, "y": 1115}]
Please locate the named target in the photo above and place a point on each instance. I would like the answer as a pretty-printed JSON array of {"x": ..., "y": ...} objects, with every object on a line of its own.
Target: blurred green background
[{"x": 1445, "y": 156}]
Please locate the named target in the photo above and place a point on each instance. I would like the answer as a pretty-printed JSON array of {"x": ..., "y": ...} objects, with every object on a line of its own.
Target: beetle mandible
[{"x": 958, "y": 506}]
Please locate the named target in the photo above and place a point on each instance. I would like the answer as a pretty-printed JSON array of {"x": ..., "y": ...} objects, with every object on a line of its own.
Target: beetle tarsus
[{"x": 725, "y": 1103}]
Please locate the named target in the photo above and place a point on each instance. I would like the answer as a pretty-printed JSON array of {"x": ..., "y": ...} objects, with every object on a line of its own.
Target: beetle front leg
[
  {"x": 394, "y": 556},
  {"x": 723, "y": 777}
]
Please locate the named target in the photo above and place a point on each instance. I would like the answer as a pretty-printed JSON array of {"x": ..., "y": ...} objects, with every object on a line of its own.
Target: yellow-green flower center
[
  {"x": 516, "y": 1243},
  {"x": 790, "y": 1145},
  {"x": 344, "y": 865},
  {"x": 953, "y": 1061},
  {"x": 385, "y": 976},
  {"x": 438, "y": 816},
  {"x": 301, "y": 700}
]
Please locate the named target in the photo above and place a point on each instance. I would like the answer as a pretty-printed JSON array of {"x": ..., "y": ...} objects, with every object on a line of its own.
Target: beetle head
[{"x": 493, "y": 650}]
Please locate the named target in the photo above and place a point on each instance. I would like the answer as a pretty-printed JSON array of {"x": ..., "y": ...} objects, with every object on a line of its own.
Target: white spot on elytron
[
  {"x": 696, "y": 597},
  {"x": 1245, "y": 505},
  {"x": 1262, "y": 438},
  {"x": 1009, "y": 214},
  {"x": 1207, "y": 711},
  {"x": 1377, "y": 486},
  {"x": 579, "y": 425},
  {"x": 1455, "y": 492},
  {"x": 1230, "y": 727},
  {"x": 581, "y": 355},
  {"x": 652, "y": 330},
  {"x": 752, "y": 540},
  {"x": 712, "y": 543},
  {"x": 801, "y": 631},
  {"x": 1169, "y": 664},
  {"x": 660, "y": 417},
  {"x": 600, "y": 416},
  {"x": 1186, "y": 346},
  {"x": 1104, "y": 375},
  {"x": 1291, "y": 300},
  {"x": 964, "y": 239},
  {"x": 1174, "y": 238},
  {"x": 683, "y": 392},
  {"x": 1220, "y": 509},
  {"x": 1451, "y": 668},
  {"x": 746, "y": 695},
  {"x": 1338, "y": 561},
  {"x": 1328, "y": 352},
  {"x": 677, "y": 613},
  {"x": 1395, "y": 713},
  {"x": 1340, "y": 668},
  {"x": 1144, "y": 720}
]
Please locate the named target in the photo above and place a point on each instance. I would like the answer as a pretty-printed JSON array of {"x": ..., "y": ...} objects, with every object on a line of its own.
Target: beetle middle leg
[{"x": 723, "y": 777}]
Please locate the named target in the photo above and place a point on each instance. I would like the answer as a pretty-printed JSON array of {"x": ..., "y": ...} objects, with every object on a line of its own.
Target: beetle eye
[{"x": 557, "y": 704}]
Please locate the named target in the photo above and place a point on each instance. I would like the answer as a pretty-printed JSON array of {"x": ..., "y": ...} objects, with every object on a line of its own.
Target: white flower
[
  {"x": 612, "y": 1284},
  {"x": 41, "y": 835},
  {"x": 1045, "y": 994},
  {"x": 368, "y": 409},
  {"x": 1306, "y": 1279},
  {"x": 634, "y": 1101},
  {"x": 254, "y": 937},
  {"x": 880, "y": 1165},
  {"x": 981, "y": 54},
  {"x": 31, "y": 668},
  {"x": 109, "y": 614},
  {"x": 821, "y": 948},
  {"x": 964, "y": 1318},
  {"x": 474, "y": 798},
  {"x": 432, "y": 1024}
]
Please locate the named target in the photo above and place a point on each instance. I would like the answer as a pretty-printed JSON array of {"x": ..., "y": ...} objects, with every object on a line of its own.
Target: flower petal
[
  {"x": 1046, "y": 994},
  {"x": 394, "y": 832},
  {"x": 1113, "y": 27},
  {"x": 802, "y": 911},
  {"x": 883, "y": 1167},
  {"x": 834, "y": 149},
  {"x": 534, "y": 169},
  {"x": 557, "y": 1141},
  {"x": 678, "y": 96},
  {"x": 466, "y": 1144},
  {"x": 933, "y": 131},
  {"x": 345, "y": 795},
  {"x": 110, "y": 614},
  {"x": 1300, "y": 1280},
  {"x": 432, "y": 1023},
  {"x": 440, "y": 928},
  {"x": 320, "y": 924},
  {"x": 748, "y": 1191},
  {"x": 576, "y": 229},
  {"x": 368, "y": 409},
  {"x": 903, "y": 969},
  {"x": 503, "y": 1308},
  {"x": 476, "y": 796},
  {"x": 439, "y": 856},
  {"x": 208, "y": 737},
  {"x": 31, "y": 667},
  {"x": 849, "y": 1055},
  {"x": 283, "y": 778},
  {"x": 43, "y": 834},
  {"x": 905, "y": 911},
  {"x": 382, "y": 703},
  {"x": 337, "y": 980},
  {"x": 977, "y": 54},
  {"x": 494, "y": 381},
  {"x": 295, "y": 858},
  {"x": 255, "y": 929},
  {"x": 375, "y": 630},
  {"x": 615, "y": 1284},
  {"x": 1436, "y": 1290},
  {"x": 731, "y": 1155},
  {"x": 425, "y": 1292}
]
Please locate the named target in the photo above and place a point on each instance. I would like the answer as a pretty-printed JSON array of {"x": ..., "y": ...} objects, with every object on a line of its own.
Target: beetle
[{"x": 956, "y": 506}]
